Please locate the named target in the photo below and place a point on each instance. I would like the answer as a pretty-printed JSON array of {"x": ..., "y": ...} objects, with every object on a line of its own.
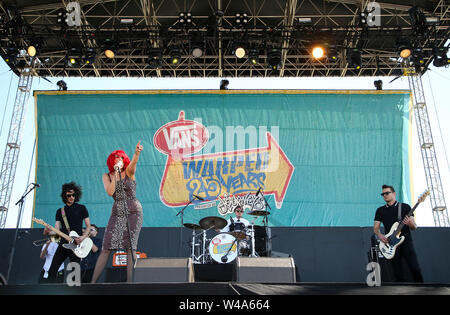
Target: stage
[
  {"x": 326, "y": 260},
  {"x": 199, "y": 289}
]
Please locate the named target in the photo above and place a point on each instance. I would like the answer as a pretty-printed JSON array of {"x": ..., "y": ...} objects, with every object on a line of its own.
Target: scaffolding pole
[
  {"x": 13, "y": 143},
  {"x": 426, "y": 143}
]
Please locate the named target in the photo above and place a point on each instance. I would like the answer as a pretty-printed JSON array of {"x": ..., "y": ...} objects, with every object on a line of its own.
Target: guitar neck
[
  {"x": 63, "y": 235},
  {"x": 401, "y": 225}
]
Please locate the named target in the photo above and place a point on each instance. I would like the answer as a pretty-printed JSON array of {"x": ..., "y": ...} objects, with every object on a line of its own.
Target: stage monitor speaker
[
  {"x": 164, "y": 270},
  {"x": 265, "y": 270}
]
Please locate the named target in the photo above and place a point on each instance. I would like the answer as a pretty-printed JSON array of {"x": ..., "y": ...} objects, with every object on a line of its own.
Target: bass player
[{"x": 394, "y": 211}]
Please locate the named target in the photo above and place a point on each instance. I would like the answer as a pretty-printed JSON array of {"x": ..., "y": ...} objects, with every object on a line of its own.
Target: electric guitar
[
  {"x": 80, "y": 250},
  {"x": 394, "y": 237}
]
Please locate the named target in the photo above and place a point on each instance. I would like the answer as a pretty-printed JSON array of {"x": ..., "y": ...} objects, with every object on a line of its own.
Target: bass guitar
[
  {"x": 80, "y": 250},
  {"x": 394, "y": 236}
]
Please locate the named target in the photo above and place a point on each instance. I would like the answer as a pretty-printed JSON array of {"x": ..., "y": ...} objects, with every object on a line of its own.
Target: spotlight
[
  {"x": 274, "y": 58},
  {"x": 239, "y": 49},
  {"x": 378, "y": 84},
  {"x": 155, "y": 58},
  {"x": 89, "y": 56},
  {"x": 61, "y": 17},
  {"x": 185, "y": 18},
  {"x": 175, "y": 56},
  {"x": 403, "y": 47},
  {"x": 73, "y": 58},
  {"x": 354, "y": 58},
  {"x": 318, "y": 52},
  {"x": 196, "y": 45},
  {"x": 440, "y": 57},
  {"x": 110, "y": 48},
  {"x": 332, "y": 54},
  {"x": 62, "y": 86},
  {"x": 31, "y": 50},
  {"x": 253, "y": 56},
  {"x": 241, "y": 19},
  {"x": 224, "y": 84},
  {"x": 11, "y": 55},
  {"x": 417, "y": 57}
]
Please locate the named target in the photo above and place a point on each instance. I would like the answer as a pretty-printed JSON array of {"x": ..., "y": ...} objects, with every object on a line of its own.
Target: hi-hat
[{"x": 193, "y": 226}]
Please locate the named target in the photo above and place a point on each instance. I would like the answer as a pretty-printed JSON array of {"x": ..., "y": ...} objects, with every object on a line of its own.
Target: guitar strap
[
  {"x": 63, "y": 213},
  {"x": 399, "y": 215}
]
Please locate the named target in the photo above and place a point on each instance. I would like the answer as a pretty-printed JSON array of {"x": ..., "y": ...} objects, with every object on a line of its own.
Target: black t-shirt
[
  {"x": 76, "y": 214},
  {"x": 388, "y": 215}
]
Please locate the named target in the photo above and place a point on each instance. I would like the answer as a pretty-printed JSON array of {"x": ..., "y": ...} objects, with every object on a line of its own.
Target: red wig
[{"x": 112, "y": 157}]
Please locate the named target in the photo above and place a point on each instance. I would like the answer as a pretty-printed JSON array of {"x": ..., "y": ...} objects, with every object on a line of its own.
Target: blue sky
[{"x": 436, "y": 84}]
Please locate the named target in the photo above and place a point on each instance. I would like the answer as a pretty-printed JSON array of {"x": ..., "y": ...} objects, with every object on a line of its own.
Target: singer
[{"x": 120, "y": 183}]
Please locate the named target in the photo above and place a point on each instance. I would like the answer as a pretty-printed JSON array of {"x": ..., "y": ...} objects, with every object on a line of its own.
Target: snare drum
[{"x": 219, "y": 246}]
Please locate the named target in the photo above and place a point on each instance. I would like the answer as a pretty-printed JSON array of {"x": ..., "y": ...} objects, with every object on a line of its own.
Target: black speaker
[
  {"x": 164, "y": 270},
  {"x": 265, "y": 270}
]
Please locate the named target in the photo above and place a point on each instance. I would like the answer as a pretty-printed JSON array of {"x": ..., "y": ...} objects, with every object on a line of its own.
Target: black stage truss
[{"x": 279, "y": 34}]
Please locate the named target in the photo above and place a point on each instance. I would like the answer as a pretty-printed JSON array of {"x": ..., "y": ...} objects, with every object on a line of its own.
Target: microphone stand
[
  {"x": 182, "y": 221},
  {"x": 122, "y": 188},
  {"x": 19, "y": 217}
]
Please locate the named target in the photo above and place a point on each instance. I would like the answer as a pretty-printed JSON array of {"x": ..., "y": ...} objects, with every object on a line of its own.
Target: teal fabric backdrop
[{"x": 337, "y": 149}]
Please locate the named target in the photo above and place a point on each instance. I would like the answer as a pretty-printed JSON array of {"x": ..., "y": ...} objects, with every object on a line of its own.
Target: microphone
[
  {"x": 118, "y": 166},
  {"x": 200, "y": 198},
  {"x": 36, "y": 185}
]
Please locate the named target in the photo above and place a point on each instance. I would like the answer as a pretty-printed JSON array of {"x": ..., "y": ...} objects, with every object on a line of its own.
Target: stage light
[
  {"x": 155, "y": 58},
  {"x": 110, "y": 48},
  {"x": 11, "y": 55},
  {"x": 440, "y": 57},
  {"x": 332, "y": 54},
  {"x": 175, "y": 56},
  {"x": 89, "y": 56},
  {"x": 74, "y": 58},
  {"x": 404, "y": 47},
  {"x": 185, "y": 18},
  {"x": 354, "y": 58},
  {"x": 224, "y": 84},
  {"x": 31, "y": 51},
  {"x": 378, "y": 84},
  {"x": 62, "y": 86},
  {"x": 61, "y": 17},
  {"x": 253, "y": 56},
  {"x": 417, "y": 57},
  {"x": 241, "y": 19},
  {"x": 274, "y": 58},
  {"x": 318, "y": 52}
]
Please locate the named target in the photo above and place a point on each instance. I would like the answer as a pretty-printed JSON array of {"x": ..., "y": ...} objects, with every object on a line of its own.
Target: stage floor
[{"x": 226, "y": 288}]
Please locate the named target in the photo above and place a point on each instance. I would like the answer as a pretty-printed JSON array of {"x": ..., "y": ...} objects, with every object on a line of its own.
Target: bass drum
[{"x": 219, "y": 247}]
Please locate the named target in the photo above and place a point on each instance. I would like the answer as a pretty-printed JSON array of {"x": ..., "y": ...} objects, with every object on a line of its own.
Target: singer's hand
[{"x": 139, "y": 147}]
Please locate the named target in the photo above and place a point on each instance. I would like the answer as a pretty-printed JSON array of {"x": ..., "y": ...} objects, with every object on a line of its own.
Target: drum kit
[{"x": 226, "y": 246}]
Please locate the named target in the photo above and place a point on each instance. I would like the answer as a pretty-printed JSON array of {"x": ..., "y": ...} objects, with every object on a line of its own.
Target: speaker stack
[{"x": 164, "y": 270}]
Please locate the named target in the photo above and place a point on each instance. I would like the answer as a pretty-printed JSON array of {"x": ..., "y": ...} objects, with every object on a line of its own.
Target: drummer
[{"x": 238, "y": 223}]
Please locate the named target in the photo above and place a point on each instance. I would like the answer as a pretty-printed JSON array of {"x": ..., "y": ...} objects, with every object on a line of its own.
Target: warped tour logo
[{"x": 211, "y": 175}]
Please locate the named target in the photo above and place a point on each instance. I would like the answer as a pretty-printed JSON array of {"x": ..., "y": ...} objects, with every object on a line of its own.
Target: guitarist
[
  {"x": 69, "y": 218},
  {"x": 388, "y": 215}
]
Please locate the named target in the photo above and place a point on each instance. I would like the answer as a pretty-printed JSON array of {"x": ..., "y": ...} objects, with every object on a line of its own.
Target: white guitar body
[
  {"x": 388, "y": 250},
  {"x": 81, "y": 250}
]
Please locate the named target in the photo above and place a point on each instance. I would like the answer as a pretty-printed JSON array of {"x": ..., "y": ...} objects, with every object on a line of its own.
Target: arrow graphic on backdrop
[{"x": 212, "y": 175}]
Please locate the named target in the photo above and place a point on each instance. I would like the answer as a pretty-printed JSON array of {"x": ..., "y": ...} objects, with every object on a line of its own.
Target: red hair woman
[{"x": 120, "y": 183}]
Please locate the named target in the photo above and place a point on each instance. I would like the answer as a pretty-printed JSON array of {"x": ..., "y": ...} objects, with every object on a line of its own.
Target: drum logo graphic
[
  {"x": 212, "y": 175},
  {"x": 219, "y": 248}
]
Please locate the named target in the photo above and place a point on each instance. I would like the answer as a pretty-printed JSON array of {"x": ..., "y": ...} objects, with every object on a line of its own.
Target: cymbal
[
  {"x": 193, "y": 226},
  {"x": 213, "y": 222},
  {"x": 259, "y": 213},
  {"x": 238, "y": 234}
]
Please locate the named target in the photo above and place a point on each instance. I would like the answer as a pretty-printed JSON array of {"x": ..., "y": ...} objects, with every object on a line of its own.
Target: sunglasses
[
  {"x": 386, "y": 193},
  {"x": 70, "y": 195}
]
